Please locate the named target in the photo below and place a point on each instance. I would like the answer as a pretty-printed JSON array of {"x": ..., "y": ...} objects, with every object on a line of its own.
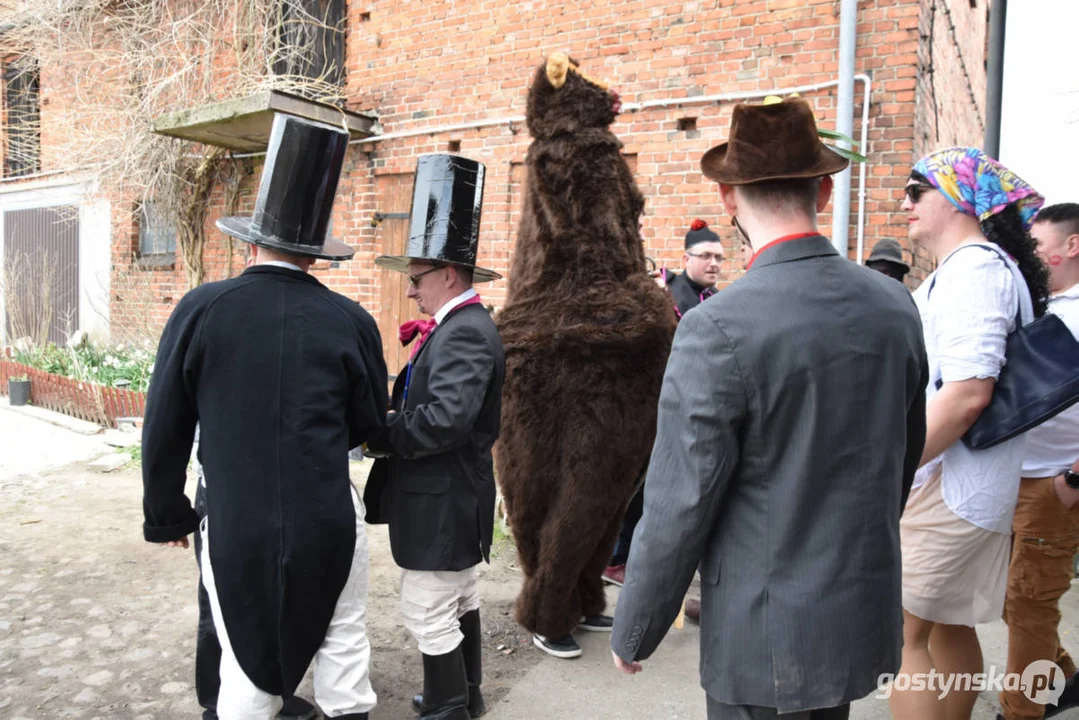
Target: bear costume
[{"x": 586, "y": 334}]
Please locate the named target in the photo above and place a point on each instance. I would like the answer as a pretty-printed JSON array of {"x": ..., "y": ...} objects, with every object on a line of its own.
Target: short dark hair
[
  {"x": 1061, "y": 214},
  {"x": 785, "y": 196}
]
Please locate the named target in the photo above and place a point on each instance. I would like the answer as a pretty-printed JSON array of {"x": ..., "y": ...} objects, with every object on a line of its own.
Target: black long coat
[
  {"x": 285, "y": 377},
  {"x": 437, "y": 490}
]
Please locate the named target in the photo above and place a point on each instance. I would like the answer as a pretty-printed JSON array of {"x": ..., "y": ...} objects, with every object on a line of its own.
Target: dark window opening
[
  {"x": 453, "y": 146},
  {"x": 311, "y": 45},
  {"x": 157, "y": 232},
  {"x": 687, "y": 124},
  {"x": 22, "y": 106},
  {"x": 365, "y": 16}
]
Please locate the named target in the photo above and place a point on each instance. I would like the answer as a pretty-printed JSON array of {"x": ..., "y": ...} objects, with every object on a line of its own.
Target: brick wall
[{"x": 424, "y": 65}]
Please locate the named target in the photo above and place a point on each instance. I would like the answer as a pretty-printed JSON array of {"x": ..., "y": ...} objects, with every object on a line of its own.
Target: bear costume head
[{"x": 563, "y": 99}]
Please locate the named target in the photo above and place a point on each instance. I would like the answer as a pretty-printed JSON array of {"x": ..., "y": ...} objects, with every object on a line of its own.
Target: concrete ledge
[{"x": 68, "y": 423}]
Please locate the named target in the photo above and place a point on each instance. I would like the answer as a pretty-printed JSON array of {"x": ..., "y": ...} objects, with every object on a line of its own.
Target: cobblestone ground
[{"x": 96, "y": 623}]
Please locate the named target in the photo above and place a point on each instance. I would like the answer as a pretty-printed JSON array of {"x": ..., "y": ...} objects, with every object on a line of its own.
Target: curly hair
[{"x": 1006, "y": 231}]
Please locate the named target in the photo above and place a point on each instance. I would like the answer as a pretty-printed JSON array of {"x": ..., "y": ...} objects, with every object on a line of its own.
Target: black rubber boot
[
  {"x": 472, "y": 650},
  {"x": 445, "y": 687}
]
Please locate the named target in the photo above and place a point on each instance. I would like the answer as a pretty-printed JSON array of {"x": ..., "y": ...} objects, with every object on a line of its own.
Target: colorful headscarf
[{"x": 978, "y": 185}]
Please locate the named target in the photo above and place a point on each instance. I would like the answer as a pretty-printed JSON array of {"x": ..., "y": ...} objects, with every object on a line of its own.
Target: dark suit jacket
[
  {"x": 437, "y": 490},
  {"x": 791, "y": 421},
  {"x": 284, "y": 376}
]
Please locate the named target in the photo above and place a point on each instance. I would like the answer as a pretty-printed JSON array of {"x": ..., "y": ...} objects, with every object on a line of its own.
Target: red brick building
[{"x": 453, "y": 77}]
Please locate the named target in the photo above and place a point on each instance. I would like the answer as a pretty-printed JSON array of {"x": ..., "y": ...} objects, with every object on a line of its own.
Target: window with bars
[
  {"x": 22, "y": 117},
  {"x": 311, "y": 43},
  {"x": 157, "y": 233}
]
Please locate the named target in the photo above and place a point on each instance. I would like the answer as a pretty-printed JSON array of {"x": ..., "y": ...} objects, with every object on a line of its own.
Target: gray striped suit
[{"x": 791, "y": 421}]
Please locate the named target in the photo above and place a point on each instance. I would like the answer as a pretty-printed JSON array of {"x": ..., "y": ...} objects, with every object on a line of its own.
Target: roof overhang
[{"x": 243, "y": 124}]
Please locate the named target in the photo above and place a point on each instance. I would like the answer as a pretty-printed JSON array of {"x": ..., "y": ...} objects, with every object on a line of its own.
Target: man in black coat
[
  {"x": 283, "y": 377},
  {"x": 703, "y": 261},
  {"x": 435, "y": 483}
]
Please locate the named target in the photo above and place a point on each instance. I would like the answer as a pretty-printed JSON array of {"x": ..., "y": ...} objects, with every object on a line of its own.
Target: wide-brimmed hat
[
  {"x": 773, "y": 141},
  {"x": 888, "y": 250},
  {"x": 296, "y": 192},
  {"x": 444, "y": 223}
]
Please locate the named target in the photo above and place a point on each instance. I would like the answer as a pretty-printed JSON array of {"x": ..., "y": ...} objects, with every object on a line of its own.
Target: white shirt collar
[
  {"x": 445, "y": 309},
  {"x": 282, "y": 263},
  {"x": 1072, "y": 292}
]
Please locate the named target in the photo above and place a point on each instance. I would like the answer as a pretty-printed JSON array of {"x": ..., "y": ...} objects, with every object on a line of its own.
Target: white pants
[
  {"x": 342, "y": 682},
  {"x": 433, "y": 602}
]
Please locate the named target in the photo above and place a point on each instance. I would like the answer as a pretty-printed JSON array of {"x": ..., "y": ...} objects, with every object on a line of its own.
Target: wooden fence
[{"x": 84, "y": 400}]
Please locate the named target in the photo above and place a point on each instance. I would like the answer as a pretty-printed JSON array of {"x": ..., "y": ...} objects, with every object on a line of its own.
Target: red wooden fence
[{"x": 84, "y": 400}]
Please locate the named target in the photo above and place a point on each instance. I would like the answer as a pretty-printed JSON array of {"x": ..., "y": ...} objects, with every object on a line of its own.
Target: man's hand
[
  {"x": 660, "y": 280},
  {"x": 631, "y": 668},
  {"x": 1068, "y": 496},
  {"x": 181, "y": 543}
]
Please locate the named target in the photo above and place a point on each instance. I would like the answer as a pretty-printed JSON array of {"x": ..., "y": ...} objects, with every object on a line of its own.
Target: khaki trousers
[{"x": 1044, "y": 542}]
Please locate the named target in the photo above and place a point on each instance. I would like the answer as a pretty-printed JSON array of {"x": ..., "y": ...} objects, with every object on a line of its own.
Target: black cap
[
  {"x": 699, "y": 232},
  {"x": 296, "y": 192},
  {"x": 444, "y": 224}
]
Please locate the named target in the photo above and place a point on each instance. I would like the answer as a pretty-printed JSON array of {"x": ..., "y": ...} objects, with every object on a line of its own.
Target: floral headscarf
[{"x": 978, "y": 185}]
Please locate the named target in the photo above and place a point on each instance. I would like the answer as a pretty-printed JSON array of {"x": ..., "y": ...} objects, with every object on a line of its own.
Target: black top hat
[
  {"x": 299, "y": 181},
  {"x": 444, "y": 224}
]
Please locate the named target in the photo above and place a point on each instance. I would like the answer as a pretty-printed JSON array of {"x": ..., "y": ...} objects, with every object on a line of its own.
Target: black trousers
[
  {"x": 720, "y": 711},
  {"x": 629, "y": 524}
]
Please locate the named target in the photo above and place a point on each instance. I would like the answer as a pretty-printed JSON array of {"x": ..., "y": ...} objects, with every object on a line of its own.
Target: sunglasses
[
  {"x": 915, "y": 191},
  {"x": 414, "y": 280}
]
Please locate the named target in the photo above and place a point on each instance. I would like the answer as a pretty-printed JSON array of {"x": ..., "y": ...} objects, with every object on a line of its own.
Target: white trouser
[
  {"x": 432, "y": 603},
  {"x": 342, "y": 682}
]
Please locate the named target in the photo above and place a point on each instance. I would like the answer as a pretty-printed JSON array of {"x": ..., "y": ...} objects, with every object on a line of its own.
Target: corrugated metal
[{"x": 41, "y": 263}]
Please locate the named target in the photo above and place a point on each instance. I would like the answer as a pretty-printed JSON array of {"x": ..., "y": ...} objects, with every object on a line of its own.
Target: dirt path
[{"x": 96, "y": 623}]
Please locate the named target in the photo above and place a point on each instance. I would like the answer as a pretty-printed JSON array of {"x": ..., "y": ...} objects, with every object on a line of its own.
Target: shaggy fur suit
[{"x": 586, "y": 334}]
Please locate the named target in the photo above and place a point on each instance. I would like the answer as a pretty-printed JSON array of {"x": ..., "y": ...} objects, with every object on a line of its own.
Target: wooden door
[
  {"x": 394, "y": 202},
  {"x": 41, "y": 264}
]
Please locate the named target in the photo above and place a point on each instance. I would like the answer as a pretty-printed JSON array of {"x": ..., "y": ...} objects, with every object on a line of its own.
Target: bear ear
[{"x": 557, "y": 68}]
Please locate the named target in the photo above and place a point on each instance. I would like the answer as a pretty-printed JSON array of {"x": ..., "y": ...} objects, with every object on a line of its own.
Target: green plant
[
  {"x": 853, "y": 155},
  {"x": 129, "y": 366},
  {"x": 20, "y": 378}
]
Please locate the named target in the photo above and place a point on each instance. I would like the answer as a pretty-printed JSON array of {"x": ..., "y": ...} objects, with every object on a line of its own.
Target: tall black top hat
[
  {"x": 299, "y": 181},
  {"x": 444, "y": 224}
]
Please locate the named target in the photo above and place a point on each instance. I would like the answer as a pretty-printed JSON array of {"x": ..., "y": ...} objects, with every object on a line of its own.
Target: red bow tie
[{"x": 409, "y": 330}]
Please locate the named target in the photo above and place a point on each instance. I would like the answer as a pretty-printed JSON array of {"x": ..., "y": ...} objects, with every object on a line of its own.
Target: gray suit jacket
[{"x": 791, "y": 421}]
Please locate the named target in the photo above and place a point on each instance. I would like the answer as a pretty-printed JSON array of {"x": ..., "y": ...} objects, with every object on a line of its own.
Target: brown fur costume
[{"x": 586, "y": 334}]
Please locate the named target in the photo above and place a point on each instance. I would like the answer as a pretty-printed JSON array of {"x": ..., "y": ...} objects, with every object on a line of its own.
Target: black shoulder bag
[{"x": 1040, "y": 378}]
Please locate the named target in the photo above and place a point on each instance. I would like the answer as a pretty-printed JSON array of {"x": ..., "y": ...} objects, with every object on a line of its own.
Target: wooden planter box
[{"x": 84, "y": 400}]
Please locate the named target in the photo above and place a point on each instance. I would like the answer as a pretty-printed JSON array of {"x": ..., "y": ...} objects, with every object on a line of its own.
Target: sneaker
[
  {"x": 615, "y": 575},
  {"x": 565, "y": 647},
  {"x": 596, "y": 623}
]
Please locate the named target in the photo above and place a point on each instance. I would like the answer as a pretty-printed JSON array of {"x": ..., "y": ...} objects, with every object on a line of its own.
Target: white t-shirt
[
  {"x": 966, "y": 320},
  {"x": 1053, "y": 446}
]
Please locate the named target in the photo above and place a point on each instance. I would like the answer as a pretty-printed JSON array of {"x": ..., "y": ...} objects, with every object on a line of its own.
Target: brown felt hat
[{"x": 773, "y": 141}]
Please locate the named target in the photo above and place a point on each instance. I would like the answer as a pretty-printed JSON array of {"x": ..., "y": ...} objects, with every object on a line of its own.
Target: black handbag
[{"x": 1040, "y": 379}]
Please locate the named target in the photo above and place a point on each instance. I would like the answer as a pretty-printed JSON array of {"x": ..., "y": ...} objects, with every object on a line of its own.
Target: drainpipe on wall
[
  {"x": 844, "y": 123},
  {"x": 994, "y": 85}
]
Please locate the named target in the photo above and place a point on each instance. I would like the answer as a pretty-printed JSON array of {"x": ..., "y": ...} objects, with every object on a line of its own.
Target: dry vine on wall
[{"x": 103, "y": 70}]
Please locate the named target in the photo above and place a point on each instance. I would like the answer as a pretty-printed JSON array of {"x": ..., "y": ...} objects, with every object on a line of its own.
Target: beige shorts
[{"x": 954, "y": 572}]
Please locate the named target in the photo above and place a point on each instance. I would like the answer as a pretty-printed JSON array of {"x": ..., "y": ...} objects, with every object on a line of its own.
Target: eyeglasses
[
  {"x": 707, "y": 257},
  {"x": 915, "y": 191},
  {"x": 414, "y": 280}
]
